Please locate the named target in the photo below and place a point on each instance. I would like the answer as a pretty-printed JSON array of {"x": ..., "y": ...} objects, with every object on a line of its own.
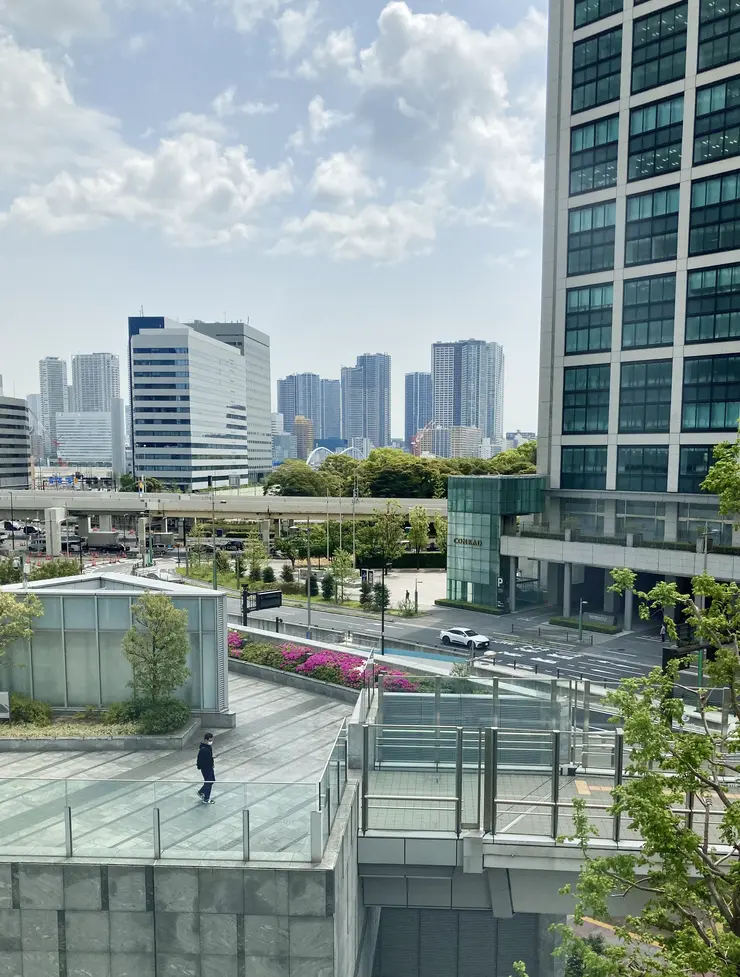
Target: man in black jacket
[{"x": 204, "y": 763}]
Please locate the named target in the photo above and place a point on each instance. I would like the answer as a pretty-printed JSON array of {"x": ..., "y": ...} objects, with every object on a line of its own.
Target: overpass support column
[
  {"x": 608, "y": 598},
  {"x": 566, "y": 589},
  {"x": 105, "y": 523},
  {"x": 513, "y": 563},
  {"x": 265, "y": 533},
  {"x": 627, "y": 610},
  {"x": 53, "y": 519},
  {"x": 83, "y": 526},
  {"x": 548, "y": 965}
]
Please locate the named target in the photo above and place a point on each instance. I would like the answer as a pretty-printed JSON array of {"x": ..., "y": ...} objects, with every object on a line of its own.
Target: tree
[
  {"x": 343, "y": 571},
  {"x": 388, "y": 533},
  {"x": 381, "y": 597},
  {"x": 327, "y": 586},
  {"x": 688, "y": 873},
  {"x": 440, "y": 532},
  {"x": 10, "y": 572},
  {"x": 287, "y": 546},
  {"x": 198, "y": 534},
  {"x": 16, "y": 617},
  {"x": 157, "y": 648},
  {"x": 286, "y": 574},
  {"x": 390, "y": 473},
  {"x": 723, "y": 478},
  {"x": 418, "y": 530},
  {"x": 314, "y": 585},
  {"x": 295, "y": 478},
  {"x": 51, "y": 569},
  {"x": 255, "y": 554},
  {"x": 268, "y": 574},
  {"x": 366, "y": 595},
  {"x": 223, "y": 562},
  {"x": 342, "y": 468},
  {"x": 516, "y": 461}
]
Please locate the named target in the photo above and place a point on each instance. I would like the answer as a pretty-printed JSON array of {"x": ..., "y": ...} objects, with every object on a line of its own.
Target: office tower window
[
  {"x": 585, "y": 513},
  {"x": 659, "y": 48},
  {"x": 593, "y": 155},
  {"x": 588, "y": 319},
  {"x": 648, "y": 311},
  {"x": 583, "y": 468},
  {"x": 711, "y": 393},
  {"x": 655, "y": 138},
  {"x": 591, "y": 238},
  {"x": 719, "y": 33},
  {"x": 713, "y": 304},
  {"x": 693, "y": 466},
  {"x": 652, "y": 227},
  {"x": 645, "y": 396},
  {"x": 586, "y": 399},
  {"x": 587, "y": 11},
  {"x": 647, "y": 518},
  {"x": 715, "y": 214},
  {"x": 597, "y": 63},
  {"x": 717, "y": 123},
  {"x": 642, "y": 469}
]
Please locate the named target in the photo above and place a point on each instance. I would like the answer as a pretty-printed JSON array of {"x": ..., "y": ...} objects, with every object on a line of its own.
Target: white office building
[
  {"x": 96, "y": 381},
  {"x": 85, "y": 438},
  {"x": 15, "y": 443},
  {"x": 254, "y": 346},
  {"x": 188, "y": 405}
]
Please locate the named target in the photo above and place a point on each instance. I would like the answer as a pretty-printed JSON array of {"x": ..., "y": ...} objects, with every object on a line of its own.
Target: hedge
[
  {"x": 408, "y": 561},
  {"x": 464, "y": 606},
  {"x": 572, "y": 622}
]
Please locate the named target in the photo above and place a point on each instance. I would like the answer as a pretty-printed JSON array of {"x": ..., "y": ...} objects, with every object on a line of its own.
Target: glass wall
[
  {"x": 652, "y": 226},
  {"x": 587, "y": 11},
  {"x": 642, "y": 468},
  {"x": 655, "y": 138},
  {"x": 591, "y": 238},
  {"x": 588, "y": 319},
  {"x": 659, "y": 48},
  {"x": 586, "y": 399},
  {"x": 715, "y": 214},
  {"x": 593, "y": 155},
  {"x": 719, "y": 33},
  {"x": 646, "y": 518},
  {"x": 693, "y": 466},
  {"x": 711, "y": 393},
  {"x": 645, "y": 396},
  {"x": 717, "y": 123},
  {"x": 713, "y": 304},
  {"x": 583, "y": 468},
  {"x": 597, "y": 63},
  {"x": 648, "y": 311}
]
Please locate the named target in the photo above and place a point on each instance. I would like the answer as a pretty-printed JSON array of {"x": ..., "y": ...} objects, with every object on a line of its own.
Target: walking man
[
  {"x": 204, "y": 763},
  {"x": 663, "y": 633}
]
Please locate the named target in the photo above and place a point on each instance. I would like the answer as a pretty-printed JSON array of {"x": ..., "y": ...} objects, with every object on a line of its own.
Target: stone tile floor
[{"x": 270, "y": 764}]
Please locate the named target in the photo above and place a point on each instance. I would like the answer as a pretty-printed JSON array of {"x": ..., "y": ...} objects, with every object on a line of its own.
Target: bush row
[
  {"x": 166, "y": 717},
  {"x": 464, "y": 606},
  {"x": 572, "y": 622}
]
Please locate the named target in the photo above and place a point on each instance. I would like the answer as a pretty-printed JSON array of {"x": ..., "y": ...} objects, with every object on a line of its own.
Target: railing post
[
  {"x": 328, "y": 809},
  {"x": 458, "y": 780},
  {"x": 68, "y": 831},
  {"x": 586, "y": 706},
  {"x": 245, "y": 834},
  {"x": 437, "y": 700},
  {"x": 554, "y": 714},
  {"x": 381, "y": 686},
  {"x": 365, "y": 775},
  {"x": 157, "y": 834},
  {"x": 618, "y": 768},
  {"x": 494, "y": 717},
  {"x": 317, "y": 843},
  {"x": 494, "y": 780},
  {"x": 487, "y": 779},
  {"x": 555, "y": 782}
]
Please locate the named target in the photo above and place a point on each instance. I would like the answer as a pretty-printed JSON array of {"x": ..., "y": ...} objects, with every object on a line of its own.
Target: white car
[{"x": 464, "y": 636}]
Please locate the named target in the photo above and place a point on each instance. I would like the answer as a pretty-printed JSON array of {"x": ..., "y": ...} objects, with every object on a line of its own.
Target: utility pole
[
  {"x": 214, "y": 574},
  {"x": 308, "y": 578}
]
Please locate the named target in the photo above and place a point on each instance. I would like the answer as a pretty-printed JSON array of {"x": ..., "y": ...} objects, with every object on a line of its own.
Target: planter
[
  {"x": 295, "y": 681},
  {"x": 96, "y": 744}
]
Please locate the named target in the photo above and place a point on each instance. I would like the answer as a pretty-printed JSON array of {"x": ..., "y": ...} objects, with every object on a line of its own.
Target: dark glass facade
[
  {"x": 713, "y": 304},
  {"x": 645, "y": 397},
  {"x": 651, "y": 233},
  {"x": 597, "y": 63},
  {"x": 717, "y": 122},
  {"x": 588, "y": 319},
  {"x": 659, "y": 47},
  {"x": 591, "y": 238},
  {"x": 693, "y": 466},
  {"x": 711, "y": 393},
  {"x": 715, "y": 214},
  {"x": 593, "y": 155},
  {"x": 588, "y": 11},
  {"x": 642, "y": 468},
  {"x": 648, "y": 311},
  {"x": 586, "y": 399},
  {"x": 719, "y": 33},
  {"x": 655, "y": 138},
  {"x": 583, "y": 467}
]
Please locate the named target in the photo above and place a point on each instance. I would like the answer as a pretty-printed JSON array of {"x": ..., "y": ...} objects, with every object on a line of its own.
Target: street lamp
[
  {"x": 12, "y": 522},
  {"x": 705, "y": 536},
  {"x": 416, "y": 594},
  {"x": 308, "y": 578},
  {"x": 581, "y": 604}
]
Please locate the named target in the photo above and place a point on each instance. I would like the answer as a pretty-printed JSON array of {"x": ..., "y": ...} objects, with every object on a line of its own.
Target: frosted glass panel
[
  {"x": 48, "y": 667},
  {"x": 52, "y": 616},
  {"x": 191, "y": 692},
  {"x": 210, "y": 671},
  {"x": 208, "y": 614},
  {"x": 115, "y": 671},
  {"x": 114, "y": 613},
  {"x": 79, "y": 613},
  {"x": 83, "y": 687},
  {"x": 15, "y": 671},
  {"x": 191, "y": 606}
]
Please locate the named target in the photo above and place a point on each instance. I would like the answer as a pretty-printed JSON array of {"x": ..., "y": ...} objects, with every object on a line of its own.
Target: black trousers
[{"x": 209, "y": 778}]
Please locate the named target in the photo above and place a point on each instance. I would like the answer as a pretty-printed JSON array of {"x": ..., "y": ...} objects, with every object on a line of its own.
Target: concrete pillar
[
  {"x": 83, "y": 526},
  {"x": 165, "y": 524},
  {"x": 547, "y": 964},
  {"x": 609, "y": 599},
  {"x": 553, "y": 584},
  {"x": 627, "y": 610},
  {"x": 671, "y": 522},
  {"x": 53, "y": 519},
  {"x": 610, "y": 517},
  {"x": 512, "y": 583},
  {"x": 672, "y": 612},
  {"x": 105, "y": 524},
  {"x": 141, "y": 535},
  {"x": 566, "y": 590},
  {"x": 265, "y": 533}
]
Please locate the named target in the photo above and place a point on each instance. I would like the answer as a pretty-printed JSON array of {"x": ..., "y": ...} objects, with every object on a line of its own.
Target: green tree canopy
[
  {"x": 418, "y": 529},
  {"x": 296, "y": 478},
  {"x": 51, "y": 569},
  {"x": 157, "y": 648},
  {"x": 343, "y": 572},
  {"x": 16, "y": 617}
]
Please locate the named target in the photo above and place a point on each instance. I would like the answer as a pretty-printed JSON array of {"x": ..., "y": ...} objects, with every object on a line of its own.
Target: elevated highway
[{"x": 176, "y": 506}]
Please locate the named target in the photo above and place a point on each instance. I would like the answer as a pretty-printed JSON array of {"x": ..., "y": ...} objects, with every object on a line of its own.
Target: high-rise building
[
  {"x": 300, "y": 394},
  {"x": 85, "y": 438},
  {"x": 640, "y": 337},
  {"x": 189, "y": 416},
  {"x": 15, "y": 443},
  {"x": 34, "y": 417},
  {"x": 418, "y": 404},
  {"x": 303, "y": 427},
  {"x": 54, "y": 399},
  {"x": 468, "y": 386},
  {"x": 71, "y": 400},
  {"x": 96, "y": 382},
  {"x": 254, "y": 346},
  {"x": 366, "y": 399},
  {"x": 331, "y": 409}
]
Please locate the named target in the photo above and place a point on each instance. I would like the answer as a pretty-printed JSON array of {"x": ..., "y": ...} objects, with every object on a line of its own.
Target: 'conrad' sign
[{"x": 461, "y": 541}]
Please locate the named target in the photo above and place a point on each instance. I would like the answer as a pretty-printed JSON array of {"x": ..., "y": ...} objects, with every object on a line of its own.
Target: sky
[{"x": 351, "y": 177}]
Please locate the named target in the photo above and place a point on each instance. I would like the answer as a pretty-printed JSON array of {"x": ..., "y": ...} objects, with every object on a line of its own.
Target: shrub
[
  {"x": 268, "y": 574},
  {"x": 261, "y": 653},
  {"x": 572, "y": 622},
  {"x": 314, "y": 586},
  {"x": 327, "y": 586},
  {"x": 381, "y": 597},
  {"x": 129, "y": 711},
  {"x": 465, "y": 606},
  {"x": 366, "y": 594},
  {"x": 255, "y": 573},
  {"x": 235, "y": 642},
  {"x": 286, "y": 574},
  {"x": 168, "y": 716},
  {"x": 30, "y": 711}
]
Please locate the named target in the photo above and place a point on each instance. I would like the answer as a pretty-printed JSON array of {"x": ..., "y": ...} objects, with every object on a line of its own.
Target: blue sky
[{"x": 353, "y": 177}]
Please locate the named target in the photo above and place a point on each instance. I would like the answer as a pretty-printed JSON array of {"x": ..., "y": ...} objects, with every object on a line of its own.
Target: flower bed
[{"x": 334, "y": 667}]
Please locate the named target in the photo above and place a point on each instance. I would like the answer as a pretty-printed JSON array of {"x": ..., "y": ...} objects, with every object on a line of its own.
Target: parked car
[{"x": 464, "y": 636}]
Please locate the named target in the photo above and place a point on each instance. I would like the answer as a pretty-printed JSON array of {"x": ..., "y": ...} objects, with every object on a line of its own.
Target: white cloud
[
  {"x": 320, "y": 121},
  {"x": 225, "y": 106},
  {"x": 203, "y": 125},
  {"x": 341, "y": 179},
  {"x": 338, "y": 50},
  {"x": 195, "y": 191},
  {"x": 294, "y": 27},
  {"x": 248, "y": 13},
  {"x": 62, "y": 20},
  {"x": 136, "y": 44}
]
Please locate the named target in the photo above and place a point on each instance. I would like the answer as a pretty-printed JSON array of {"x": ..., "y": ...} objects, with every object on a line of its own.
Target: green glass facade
[{"x": 477, "y": 506}]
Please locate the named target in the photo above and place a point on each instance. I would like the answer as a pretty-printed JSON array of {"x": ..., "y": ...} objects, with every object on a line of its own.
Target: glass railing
[{"x": 333, "y": 781}]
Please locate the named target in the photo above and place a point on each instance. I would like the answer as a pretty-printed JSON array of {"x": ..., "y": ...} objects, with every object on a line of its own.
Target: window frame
[
  {"x": 605, "y": 230},
  {"x": 703, "y": 44},
  {"x": 708, "y": 129},
  {"x": 648, "y": 281},
  {"x": 654, "y": 135},
  {"x": 622, "y": 476},
  {"x": 585, "y": 312},
  {"x": 713, "y": 189},
  {"x": 636, "y": 397},
  {"x": 666, "y": 41},
  {"x": 603, "y": 59},
  {"x": 593, "y": 406},
  {"x": 709, "y": 384},
  {"x": 726, "y": 302},
  {"x": 618, "y": 8},
  {"x": 593, "y": 479},
  {"x": 668, "y": 218},
  {"x": 596, "y": 150}
]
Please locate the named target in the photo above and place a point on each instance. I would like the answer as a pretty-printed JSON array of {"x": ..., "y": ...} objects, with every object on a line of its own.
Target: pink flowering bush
[{"x": 326, "y": 666}]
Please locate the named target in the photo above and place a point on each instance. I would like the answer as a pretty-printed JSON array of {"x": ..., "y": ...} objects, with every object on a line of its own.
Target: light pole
[
  {"x": 705, "y": 536},
  {"x": 308, "y": 577},
  {"x": 416, "y": 595},
  {"x": 12, "y": 522},
  {"x": 213, "y": 534},
  {"x": 327, "y": 526},
  {"x": 354, "y": 536},
  {"x": 581, "y": 604},
  {"x": 382, "y": 607}
]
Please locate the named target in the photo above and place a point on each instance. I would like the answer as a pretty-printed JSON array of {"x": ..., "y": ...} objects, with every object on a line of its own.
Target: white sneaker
[{"x": 208, "y": 801}]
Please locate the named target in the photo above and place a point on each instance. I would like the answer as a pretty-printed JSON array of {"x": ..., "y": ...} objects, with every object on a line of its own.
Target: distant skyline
[{"x": 351, "y": 178}]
